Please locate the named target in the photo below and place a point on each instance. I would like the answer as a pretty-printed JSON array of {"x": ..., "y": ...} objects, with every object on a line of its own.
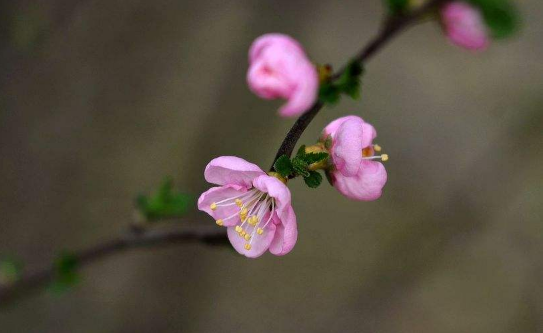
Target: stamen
[
  {"x": 219, "y": 222},
  {"x": 213, "y": 206},
  {"x": 247, "y": 246},
  {"x": 259, "y": 231},
  {"x": 376, "y": 147},
  {"x": 383, "y": 157}
]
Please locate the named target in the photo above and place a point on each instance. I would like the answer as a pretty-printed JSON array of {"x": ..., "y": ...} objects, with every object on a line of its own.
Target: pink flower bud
[
  {"x": 464, "y": 25},
  {"x": 279, "y": 68}
]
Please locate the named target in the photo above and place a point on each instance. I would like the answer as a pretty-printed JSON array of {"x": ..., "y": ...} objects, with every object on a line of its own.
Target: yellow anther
[
  {"x": 253, "y": 220},
  {"x": 377, "y": 148},
  {"x": 259, "y": 231},
  {"x": 243, "y": 233},
  {"x": 238, "y": 228},
  {"x": 247, "y": 246},
  {"x": 384, "y": 157},
  {"x": 239, "y": 203},
  {"x": 244, "y": 211},
  {"x": 213, "y": 206},
  {"x": 219, "y": 222},
  {"x": 247, "y": 237}
]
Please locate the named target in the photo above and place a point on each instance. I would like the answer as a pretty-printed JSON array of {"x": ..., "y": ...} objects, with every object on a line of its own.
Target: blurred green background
[{"x": 101, "y": 99}]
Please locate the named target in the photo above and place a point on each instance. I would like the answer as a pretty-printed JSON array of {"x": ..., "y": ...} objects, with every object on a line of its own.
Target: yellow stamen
[
  {"x": 219, "y": 222},
  {"x": 247, "y": 237},
  {"x": 377, "y": 148},
  {"x": 213, "y": 206},
  {"x": 239, "y": 203},
  {"x": 259, "y": 231},
  {"x": 243, "y": 233},
  {"x": 247, "y": 246},
  {"x": 238, "y": 228},
  {"x": 384, "y": 157}
]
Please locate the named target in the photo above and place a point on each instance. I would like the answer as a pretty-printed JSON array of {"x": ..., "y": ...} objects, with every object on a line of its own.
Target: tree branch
[{"x": 137, "y": 238}]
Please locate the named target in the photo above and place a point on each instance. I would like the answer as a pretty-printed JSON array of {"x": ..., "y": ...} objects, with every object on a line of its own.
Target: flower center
[
  {"x": 368, "y": 153},
  {"x": 256, "y": 209}
]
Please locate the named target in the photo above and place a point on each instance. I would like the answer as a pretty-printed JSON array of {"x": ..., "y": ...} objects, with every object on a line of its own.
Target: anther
[
  {"x": 247, "y": 246},
  {"x": 219, "y": 222},
  {"x": 213, "y": 206},
  {"x": 247, "y": 237},
  {"x": 239, "y": 203},
  {"x": 259, "y": 231},
  {"x": 238, "y": 228},
  {"x": 377, "y": 148},
  {"x": 243, "y": 233},
  {"x": 384, "y": 157}
]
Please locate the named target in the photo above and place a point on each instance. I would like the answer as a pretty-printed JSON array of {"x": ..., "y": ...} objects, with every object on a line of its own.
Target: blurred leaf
[
  {"x": 283, "y": 166},
  {"x": 164, "y": 203},
  {"x": 501, "y": 16},
  {"x": 10, "y": 270},
  {"x": 348, "y": 83},
  {"x": 66, "y": 276},
  {"x": 329, "y": 93},
  {"x": 314, "y": 179},
  {"x": 396, "y": 6}
]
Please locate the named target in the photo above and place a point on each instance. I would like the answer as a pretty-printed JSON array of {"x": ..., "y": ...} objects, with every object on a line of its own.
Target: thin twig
[{"x": 136, "y": 238}]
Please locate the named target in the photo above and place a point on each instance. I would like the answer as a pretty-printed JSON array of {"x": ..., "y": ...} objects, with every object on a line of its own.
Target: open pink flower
[
  {"x": 464, "y": 25},
  {"x": 254, "y": 206},
  {"x": 354, "y": 173},
  {"x": 279, "y": 68}
]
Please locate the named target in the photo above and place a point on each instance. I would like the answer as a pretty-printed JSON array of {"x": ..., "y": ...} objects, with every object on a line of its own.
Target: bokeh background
[{"x": 101, "y": 99}]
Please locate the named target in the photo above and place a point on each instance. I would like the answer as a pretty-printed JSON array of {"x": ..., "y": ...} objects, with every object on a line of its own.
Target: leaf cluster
[
  {"x": 299, "y": 166},
  {"x": 349, "y": 83}
]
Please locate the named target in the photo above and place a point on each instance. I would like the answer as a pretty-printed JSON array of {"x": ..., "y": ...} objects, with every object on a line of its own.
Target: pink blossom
[
  {"x": 253, "y": 206},
  {"x": 279, "y": 68},
  {"x": 355, "y": 173},
  {"x": 464, "y": 25}
]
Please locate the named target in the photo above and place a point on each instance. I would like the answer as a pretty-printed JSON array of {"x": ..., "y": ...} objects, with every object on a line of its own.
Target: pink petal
[
  {"x": 267, "y": 40},
  {"x": 286, "y": 234},
  {"x": 331, "y": 129},
  {"x": 347, "y": 146},
  {"x": 368, "y": 134},
  {"x": 367, "y": 185},
  {"x": 305, "y": 93},
  {"x": 276, "y": 189},
  {"x": 259, "y": 245},
  {"x": 232, "y": 170},
  {"x": 216, "y": 194}
]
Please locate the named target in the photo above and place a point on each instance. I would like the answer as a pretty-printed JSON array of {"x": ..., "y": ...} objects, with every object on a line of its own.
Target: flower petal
[
  {"x": 259, "y": 245},
  {"x": 216, "y": 194},
  {"x": 367, "y": 185},
  {"x": 231, "y": 170},
  {"x": 347, "y": 146},
  {"x": 273, "y": 39},
  {"x": 277, "y": 190},
  {"x": 286, "y": 234}
]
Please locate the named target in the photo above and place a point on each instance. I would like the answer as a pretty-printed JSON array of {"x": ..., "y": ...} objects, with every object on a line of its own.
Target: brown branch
[{"x": 137, "y": 238}]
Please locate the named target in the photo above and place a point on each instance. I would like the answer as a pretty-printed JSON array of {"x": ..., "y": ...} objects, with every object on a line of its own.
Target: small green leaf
[
  {"x": 349, "y": 82},
  {"x": 314, "y": 179},
  {"x": 164, "y": 203},
  {"x": 329, "y": 93},
  {"x": 315, "y": 157},
  {"x": 501, "y": 16},
  {"x": 397, "y": 6},
  {"x": 300, "y": 166},
  {"x": 10, "y": 270},
  {"x": 301, "y": 151},
  {"x": 283, "y": 166},
  {"x": 66, "y": 275}
]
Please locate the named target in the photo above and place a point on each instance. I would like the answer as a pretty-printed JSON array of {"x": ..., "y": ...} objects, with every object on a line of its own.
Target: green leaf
[
  {"x": 10, "y": 270},
  {"x": 300, "y": 166},
  {"x": 283, "y": 166},
  {"x": 397, "y": 6},
  {"x": 314, "y": 179},
  {"x": 66, "y": 276},
  {"x": 315, "y": 157},
  {"x": 349, "y": 81},
  {"x": 301, "y": 151},
  {"x": 329, "y": 93},
  {"x": 501, "y": 16},
  {"x": 164, "y": 203}
]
